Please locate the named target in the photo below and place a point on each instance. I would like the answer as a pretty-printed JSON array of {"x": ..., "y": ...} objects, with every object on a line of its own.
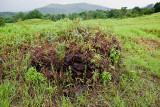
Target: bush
[
  {"x": 157, "y": 7},
  {"x": 34, "y": 14},
  {"x": 2, "y": 22}
]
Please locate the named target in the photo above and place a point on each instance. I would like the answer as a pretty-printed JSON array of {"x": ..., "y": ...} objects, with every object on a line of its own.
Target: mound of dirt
[{"x": 81, "y": 50}]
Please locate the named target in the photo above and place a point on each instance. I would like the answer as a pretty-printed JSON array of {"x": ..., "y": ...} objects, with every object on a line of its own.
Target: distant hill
[
  {"x": 70, "y": 8},
  {"x": 149, "y": 6},
  {"x": 7, "y": 14}
]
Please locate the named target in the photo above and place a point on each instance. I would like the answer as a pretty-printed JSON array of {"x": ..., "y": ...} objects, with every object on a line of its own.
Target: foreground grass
[{"x": 139, "y": 76}]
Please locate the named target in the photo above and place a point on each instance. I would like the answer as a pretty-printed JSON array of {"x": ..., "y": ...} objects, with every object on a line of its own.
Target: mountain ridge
[
  {"x": 149, "y": 6},
  {"x": 70, "y": 8},
  {"x": 66, "y": 9}
]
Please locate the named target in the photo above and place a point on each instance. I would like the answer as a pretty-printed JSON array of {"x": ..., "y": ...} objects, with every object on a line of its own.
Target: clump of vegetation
[
  {"x": 34, "y": 77},
  {"x": 79, "y": 51},
  {"x": 2, "y": 22},
  {"x": 157, "y": 7}
]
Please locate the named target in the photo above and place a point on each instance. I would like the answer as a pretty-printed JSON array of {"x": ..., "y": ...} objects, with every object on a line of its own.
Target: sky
[{"x": 26, "y": 5}]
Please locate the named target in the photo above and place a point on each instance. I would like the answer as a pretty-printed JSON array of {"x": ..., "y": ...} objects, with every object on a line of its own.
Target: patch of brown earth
[{"x": 79, "y": 52}]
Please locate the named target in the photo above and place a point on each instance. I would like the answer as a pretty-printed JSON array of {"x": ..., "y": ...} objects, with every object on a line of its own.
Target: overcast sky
[{"x": 26, "y": 5}]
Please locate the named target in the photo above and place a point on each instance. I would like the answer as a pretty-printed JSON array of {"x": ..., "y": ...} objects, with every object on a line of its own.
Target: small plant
[
  {"x": 85, "y": 71},
  {"x": 96, "y": 75},
  {"x": 34, "y": 77},
  {"x": 114, "y": 54},
  {"x": 90, "y": 48},
  {"x": 132, "y": 76},
  {"x": 51, "y": 89},
  {"x": 65, "y": 102},
  {"x": 96, "y": 60},
  {"x": 61, "y": 50},
  {"x": 68, "y": 76},
  {"x": 106, "y": 76}
]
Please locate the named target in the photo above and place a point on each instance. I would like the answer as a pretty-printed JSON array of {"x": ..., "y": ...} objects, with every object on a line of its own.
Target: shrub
[
  {"x": 34, "y": 14},
  {"x": 157, "y": 7},
  {"x": 2, "y": 22}
]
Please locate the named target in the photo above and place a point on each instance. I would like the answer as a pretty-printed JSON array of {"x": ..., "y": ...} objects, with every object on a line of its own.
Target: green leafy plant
[
  {"x": 34, "y": 77},
  {"x": 106, "y": 76},
  {"x": 96, "y": 60},
  {"x": 68, "y": 76},
  {"x": 61, "y": 50},
  {"x": 114, "y": 54},
  {"x": 95, "y": 75}
]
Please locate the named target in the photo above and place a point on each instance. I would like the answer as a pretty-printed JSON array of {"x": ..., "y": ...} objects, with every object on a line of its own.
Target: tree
[
  {"x": 34, "y": 14},
  {"x": 90, "y": 15},
  {"x": 123, "y": 11},
  {"x": 147, "y": 11},
  {"x": 73, "y": 16},
  {"x": 115, "y": 13},
  {"x": 63, "y": 16},
  {"x": 83, "y": 15},
  {"x": 18, "y": 16},
  {"x": 101, "y": 14},
  {"x": 53, "y": 17},
  {"x": 58, "y": 17},
  {"x": 2, "y": 22},
  {"x": 136, "y": 9},
  {"x": 157, "y": 7},
  {"x": 47, "y": 17}
]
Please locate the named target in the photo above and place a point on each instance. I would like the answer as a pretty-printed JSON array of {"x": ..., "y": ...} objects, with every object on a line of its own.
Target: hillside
[
  {"x": 70, "y": 8},
  {"x": 7, "y": 14},
  {"x": 98, "y": 62},
  {"x": 149, "y": 6}
]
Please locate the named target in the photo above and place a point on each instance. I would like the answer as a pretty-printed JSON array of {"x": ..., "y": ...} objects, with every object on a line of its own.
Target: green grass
[{"x": 139, "y": 76}]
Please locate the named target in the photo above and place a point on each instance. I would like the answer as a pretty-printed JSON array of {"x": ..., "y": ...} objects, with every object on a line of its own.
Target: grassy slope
[
  {"x": 140, "y": 79},
  {"x": 140, "y": 38}
]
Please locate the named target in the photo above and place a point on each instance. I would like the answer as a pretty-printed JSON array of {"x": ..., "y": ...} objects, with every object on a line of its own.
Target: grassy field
[{"x": 136, "y": 82}]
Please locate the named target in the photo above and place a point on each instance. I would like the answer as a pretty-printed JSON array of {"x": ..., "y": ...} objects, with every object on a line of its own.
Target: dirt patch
[
  {"x": 82, "y": 51},
  {"x": 43, "y": 57}
]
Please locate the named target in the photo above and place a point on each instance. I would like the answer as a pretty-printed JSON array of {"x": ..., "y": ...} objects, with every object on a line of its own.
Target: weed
[
  {"x": 114, "y": 54},
  {"x": 34, "y": 77},
  {"x": 96, "y": 60}
]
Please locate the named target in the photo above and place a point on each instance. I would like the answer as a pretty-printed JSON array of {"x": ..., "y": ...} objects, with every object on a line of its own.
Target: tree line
[{"x": 114, "y": 13}]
